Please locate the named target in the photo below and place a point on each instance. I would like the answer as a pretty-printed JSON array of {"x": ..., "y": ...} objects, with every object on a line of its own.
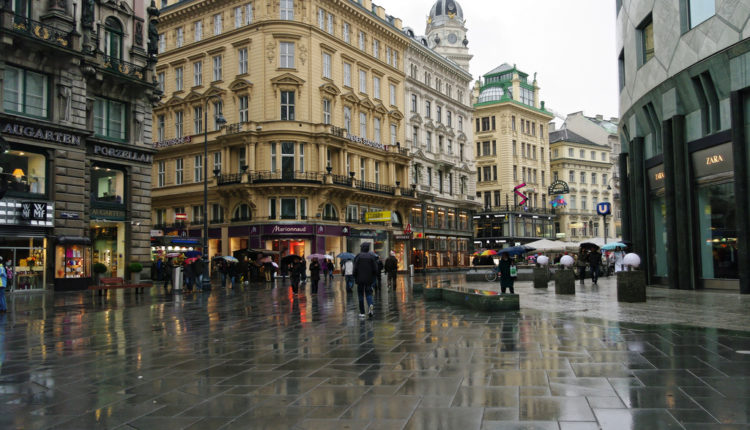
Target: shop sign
[
  {"x": 341, "y": 132},
  {"x": 558, "y": 187},
  {"x": 381, "y": 216},
  {"x": 33, "y": 211},
  {"x": 407, "y": 230},
  {"x": 157, "y": 233},
  {"x": 41, "y": 133},
  {"x": 332, "y": 230},
  {"x": 287, "y": 229},
  {"x": 69, "y": 215},
  {"x": 402, "y": 236},
  {"x": 714, "y": 160},
  {"x": 363, "y": 233},
  {"x": 107, "y": 213},
  {"x": 124, "y": 154},
  {"x": 180, "y": 216},
  {"x": 604, "y": 208},
  {"x": 656, "y": 177},
  {"x": 172, "y": 142}
]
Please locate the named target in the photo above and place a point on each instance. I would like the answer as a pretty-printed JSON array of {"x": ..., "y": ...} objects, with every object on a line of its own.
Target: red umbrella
[{"x": 191, "y": 259}]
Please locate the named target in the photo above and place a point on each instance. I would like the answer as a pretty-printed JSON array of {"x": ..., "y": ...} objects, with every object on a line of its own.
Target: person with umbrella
[
  {"x": 391, "y": 269},
  {"x": 295, "y": 273},
  {"x": 348, "y": 269},
  {"x": 198, "y": 272},
  {"x": 189, "y": 275},
  {"x": 595, "y": 260},
  {"x": 365, "y": 270},
  {"x": 314, "y": 275},
  {"x": 504, "y": 268}
]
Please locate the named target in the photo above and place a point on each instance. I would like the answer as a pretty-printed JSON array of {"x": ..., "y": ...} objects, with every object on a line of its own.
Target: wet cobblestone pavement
[{"x": 260, "y": 357}]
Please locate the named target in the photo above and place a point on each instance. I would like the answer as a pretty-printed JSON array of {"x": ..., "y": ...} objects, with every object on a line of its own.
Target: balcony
[
  {"x": 235, "y": 128},
  {"x": 40, "y": 31},
  {"x": 229, "y": 179},
  {"x": 378, "y": 188},
  {"x": 408, "y": 192},
  {"x": 266, "y": 177},
  {"x": 124, "y": 68}
]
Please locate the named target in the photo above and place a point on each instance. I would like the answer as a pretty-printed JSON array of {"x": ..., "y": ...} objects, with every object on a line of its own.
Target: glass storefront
[
  {"x": 72, "y": 261},
  {"x": 717, "y": 218},
  {"x": 659, "y": 240},
  {"x": 26, "y": 257},
  {"x": 109, "y": 247}
]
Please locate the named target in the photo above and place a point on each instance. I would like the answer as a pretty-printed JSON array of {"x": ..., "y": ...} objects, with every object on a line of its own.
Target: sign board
[
  {"x": 407, "y": 230},
  {"x": 157, "y": 233},
  {"x": 558, "y": 187},
  {"x": 656, "y": 177},
  {"x": 34, "y": 211},
  {"x": 382, "y": 216},
  {"x": 402, "y": 236},
  {"x": 180, "y": 216},
  {"x": 604, "y": 208},
  {"x": 712, "y": 161}
]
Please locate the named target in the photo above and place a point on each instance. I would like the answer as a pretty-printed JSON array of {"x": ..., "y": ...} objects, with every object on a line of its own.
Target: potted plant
[
  {"x": 98, "y": 269},
  {"x": 135, "y": 272}
]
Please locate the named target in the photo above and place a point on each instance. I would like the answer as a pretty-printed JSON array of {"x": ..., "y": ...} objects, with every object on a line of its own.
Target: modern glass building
[{"x": 685, "y": 108}]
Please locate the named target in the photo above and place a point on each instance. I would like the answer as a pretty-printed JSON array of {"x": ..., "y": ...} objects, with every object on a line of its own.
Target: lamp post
[{"x": 220, "y": 121}]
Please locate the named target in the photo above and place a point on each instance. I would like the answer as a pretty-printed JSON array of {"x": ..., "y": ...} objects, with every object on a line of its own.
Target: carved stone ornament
[
  {"x": 270, "y": 51},
  {"x": 302, "y": 54}
]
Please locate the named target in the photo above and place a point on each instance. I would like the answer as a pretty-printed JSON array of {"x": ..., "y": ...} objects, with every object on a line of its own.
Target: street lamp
[{"x": 220, "y": 121}]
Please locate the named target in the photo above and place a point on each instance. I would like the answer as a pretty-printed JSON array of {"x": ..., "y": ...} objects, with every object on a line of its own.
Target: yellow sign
[{"x": 382, "y": 216}]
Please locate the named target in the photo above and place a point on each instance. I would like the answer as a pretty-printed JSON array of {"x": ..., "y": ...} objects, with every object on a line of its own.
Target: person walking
[
  {"x": 581, "y": 264},
  {"x": 504, "y": 268},
  {"x": 3, "y": 284},
  {"x": 619, "y": 257},
  {"x": 595, "y": 260},
  {"x": 391, "y": 269},
  {"x": 379, "y": 276},
  {"x": 189, "y": 276},
  {"x": 303, "y": 275},
  {"x": 330, "y": 268},
  {"x": 295, "y": 272},
  {"x": 234, "y": 273},
  {"x": 349, "y": 275},
  {"x": 365, "y": 270},
  {"x": 198, "y": 273},
  {"x": 314, "y": 275}
]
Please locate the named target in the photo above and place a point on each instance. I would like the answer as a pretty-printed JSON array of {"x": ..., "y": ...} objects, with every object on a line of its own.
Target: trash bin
[
  {"x": 411, "y": 270},
  {"x": 177, "y": 279}
]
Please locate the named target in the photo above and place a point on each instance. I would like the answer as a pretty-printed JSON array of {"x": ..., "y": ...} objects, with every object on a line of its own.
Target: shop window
[
  {"x": 717, "y": 217},
  {"x": 25, "y": 92},
  {"x": 107, "y": 185},
  {"x": 110, "y": 119},
  {"x": 72, "y": 260},
  {"x": 28, "y": 172}
]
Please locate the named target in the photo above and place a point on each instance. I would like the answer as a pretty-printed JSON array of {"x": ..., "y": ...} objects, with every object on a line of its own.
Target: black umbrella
[
  {"x": 514, "y": 250},
  {"x": 290, "y": 259},
  {"x": 588, "y": 245}
]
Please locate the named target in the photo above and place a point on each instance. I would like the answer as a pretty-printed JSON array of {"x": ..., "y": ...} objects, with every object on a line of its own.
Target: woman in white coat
[{"x": 619, "y": 256}]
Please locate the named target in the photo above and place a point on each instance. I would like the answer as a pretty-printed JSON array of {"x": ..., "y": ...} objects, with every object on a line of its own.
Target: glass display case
[{"x": 72, "y": 263}]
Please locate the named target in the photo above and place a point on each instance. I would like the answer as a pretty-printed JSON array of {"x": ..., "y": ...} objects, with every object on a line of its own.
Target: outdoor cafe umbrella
[
  {"x": 345, "y": 256},
  {"x": 488, "y": 252}
]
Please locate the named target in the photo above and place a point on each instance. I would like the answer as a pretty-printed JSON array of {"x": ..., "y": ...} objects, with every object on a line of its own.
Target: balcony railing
[
  {"x": 407, "y": 192},
  {"x": 43, "y": 32},
  {"x": 124, "y": 68},
  {"x": 229, "y": 179},
  {"x": 241, "y": 219},
  {"x": 378, "y": 188},
  {"x": 518, "y": 209},
  {"x": 235, "y": 128},
  {"x": 330, "y": 218},
  {"x": 342, "y": 180},
  {"x": 217, "y": 221},
  {"x": 260, "y": 177}
]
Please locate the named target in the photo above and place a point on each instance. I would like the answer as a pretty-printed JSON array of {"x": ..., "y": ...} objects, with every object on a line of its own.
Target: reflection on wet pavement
[{"x": 260, "y": 357}]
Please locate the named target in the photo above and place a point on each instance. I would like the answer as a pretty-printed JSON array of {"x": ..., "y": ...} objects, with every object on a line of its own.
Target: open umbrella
[
  {"x": 229, "y": 259},
  {"x": 273, "y": 263},
  {"x": 329, "y": 257},
  {"x": 173, "y": 254},
  {"x": 612, "y": 245},
  {"x": 191, "y": 254},
  {"x": 513, "y": 250},
  {"x": 345, "y": 256},
  {"x": 588, "y": 245},
  {"x": 266, "y": 259},
  {"x": 315, "y": 257},
  {"x": 489, "y": 252},
  {"x": 290, "y": 259},
  {"x": 191, "y": 259}
]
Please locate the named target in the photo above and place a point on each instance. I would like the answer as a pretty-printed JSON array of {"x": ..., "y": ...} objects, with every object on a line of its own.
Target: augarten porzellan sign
[
  {"x": 40, "y": 133},
  {"x": 124, "y": 154}
]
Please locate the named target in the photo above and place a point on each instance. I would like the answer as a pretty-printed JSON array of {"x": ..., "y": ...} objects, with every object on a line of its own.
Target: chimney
[
  {"x": 367, "y": 4},
  {"x": 380, "y": 12},
  {"x": 600, "y": 118},
  {"x": 551, "y": 127},
  {"x": 397, "y": 23}
]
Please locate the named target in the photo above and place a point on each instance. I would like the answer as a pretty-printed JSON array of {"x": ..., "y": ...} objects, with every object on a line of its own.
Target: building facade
[
  {"x": 685, "y": 107},
  {"x": 311, "y": 160},
  {"x": 512, "y": 160},
  {"x": 585, "y": 167},
  {"x": 77, "y": 89},
  {"x": 439, "y": 136}
]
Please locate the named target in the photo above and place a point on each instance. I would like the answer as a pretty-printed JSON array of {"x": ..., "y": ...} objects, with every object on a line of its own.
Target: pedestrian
[
  {"x": 330, "y": 270},
  {"x": 189, "y": 276},
  {"x": 243, "y": 270},
  {"x": 391, "y": 269},
  {"x": 3, "y": 284},
  {"x": 234, "y": 273},
  {"x": 268, "y": 270},
  {"x": 365, "y": 270},
  {"x": 303, "y": 276},
  {"x": 619, "y": 257},
  {"x": 506, "y": 269},
  {"x": 475, "y": 261},
  {"x": 295, "y": 272},
  {"x": 9, "y": 274},
  {"x": 314, "y": 275},
  {"x": 581, "y": 264},
  {"x": 349, "y": 274},
  {"x": 223, "y": 268},
  {"x": 198, "y": 267},
  {"x": 379, "y": 277},
  {"x": 594, "y": 260}
]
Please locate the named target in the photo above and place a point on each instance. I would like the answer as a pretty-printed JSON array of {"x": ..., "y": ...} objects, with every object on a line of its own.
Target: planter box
[
  {"x": 541, "y": 277},
  {"x": 481, "y": 302},
  {"x": 417, "y": 287},
  {"x": 565, "y": 282},
  {"x": 631, "y": 286},
  {"x": 433, "y": 293}
]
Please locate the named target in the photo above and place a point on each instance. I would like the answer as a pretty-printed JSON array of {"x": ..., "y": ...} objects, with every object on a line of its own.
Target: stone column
[
  {"x": 687, "y": 273},
  {"x": 741, "y": 185},
  {"x": 670, "y": 201}
]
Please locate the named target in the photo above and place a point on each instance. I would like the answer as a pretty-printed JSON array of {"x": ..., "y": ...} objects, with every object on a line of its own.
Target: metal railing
[
  {"x": 241, "y": 219},
  {"x": 378, "y": 188},
  {"x": 342, "y": 180},
  {"x": 216, "y": 221},
  {"x": 266, "y": 176},
  {"x": 237, "y": 127},
  {"x": 229, "y": 178},
  {"x": 124, "y": 67},
  {"x": 408, "y": 192},
  {"x": 43, "y": 32}
]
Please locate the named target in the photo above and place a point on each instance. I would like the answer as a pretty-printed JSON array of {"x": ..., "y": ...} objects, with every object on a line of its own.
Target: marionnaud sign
[{"x": 288, "y": 229}]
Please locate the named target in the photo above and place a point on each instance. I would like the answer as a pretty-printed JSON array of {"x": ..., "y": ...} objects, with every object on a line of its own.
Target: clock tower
[{"x": 446, "y": 32}]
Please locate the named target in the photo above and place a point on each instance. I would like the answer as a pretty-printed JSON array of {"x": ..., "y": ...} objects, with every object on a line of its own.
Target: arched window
[
  {"x": 113, "y": 38},
  {"x": 242, "y": 213},
  {"x": 330, "y": 213},
  {"x": 396, "y": 219}
]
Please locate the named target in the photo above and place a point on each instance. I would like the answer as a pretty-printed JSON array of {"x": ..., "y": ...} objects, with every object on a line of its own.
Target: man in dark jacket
[
  {"x": 595, "y": 260},
  {"x": 365, "y": 271},
  {"x": 391, "y": 268}
]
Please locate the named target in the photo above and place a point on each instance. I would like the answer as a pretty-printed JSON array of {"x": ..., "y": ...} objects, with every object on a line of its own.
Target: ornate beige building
[
  {"x": 511, "y": 148},
  {"x": 312, "y": 93}
]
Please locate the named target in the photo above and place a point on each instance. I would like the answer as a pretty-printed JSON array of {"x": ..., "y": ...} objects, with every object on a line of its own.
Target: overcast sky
[{"x": 569, "y": 43}]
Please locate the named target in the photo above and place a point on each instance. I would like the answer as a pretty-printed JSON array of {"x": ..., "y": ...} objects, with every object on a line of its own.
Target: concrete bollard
[
  {"x": 541, "y": 277},
  {"x": 631, "y": 286},
  {"x": 565, "y": 282}
]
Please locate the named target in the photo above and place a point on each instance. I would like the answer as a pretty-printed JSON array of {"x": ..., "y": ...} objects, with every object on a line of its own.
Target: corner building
[
  {"x": 685, "y": 110},
  {"x": 75, "y": 123},
  {"x": 313, "y": 97},
  {"x": 512, "y": 147},
  {"x": 440, "y": 140}
]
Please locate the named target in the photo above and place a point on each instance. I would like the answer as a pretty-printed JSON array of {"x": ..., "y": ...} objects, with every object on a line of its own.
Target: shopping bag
[{"x": 513, "y": 271}]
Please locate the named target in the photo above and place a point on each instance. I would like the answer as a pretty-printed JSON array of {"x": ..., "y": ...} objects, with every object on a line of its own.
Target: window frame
[
  {"x": 22, "y": 93},
  {"x": 124, "y": 120}
]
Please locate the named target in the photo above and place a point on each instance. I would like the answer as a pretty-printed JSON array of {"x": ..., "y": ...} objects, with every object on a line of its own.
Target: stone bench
[{"x": 481, "y": 300}]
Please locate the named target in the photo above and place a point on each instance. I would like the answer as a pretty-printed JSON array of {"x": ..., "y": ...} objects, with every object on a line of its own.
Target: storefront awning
[{"x": 73, "y": 240}]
